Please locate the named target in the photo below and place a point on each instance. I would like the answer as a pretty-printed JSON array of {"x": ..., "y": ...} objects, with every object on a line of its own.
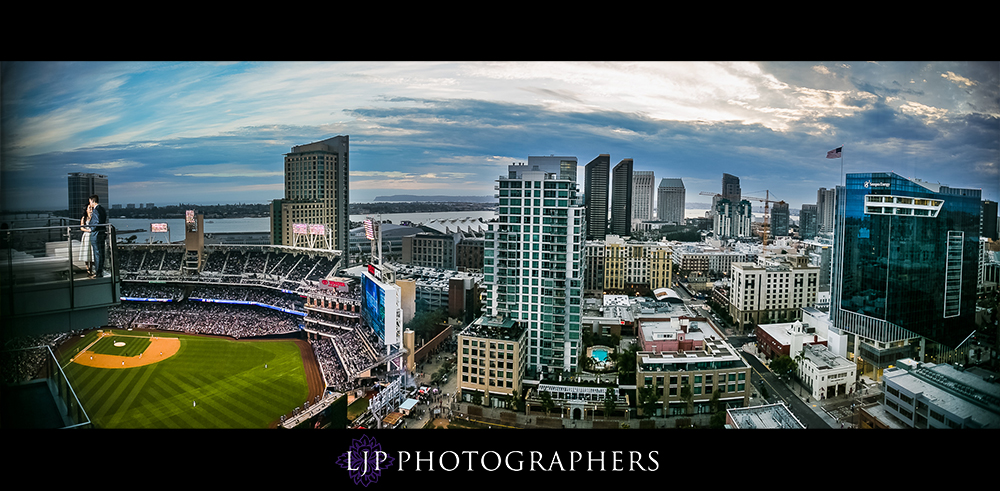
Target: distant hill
[{"x": 435, "y": 199}]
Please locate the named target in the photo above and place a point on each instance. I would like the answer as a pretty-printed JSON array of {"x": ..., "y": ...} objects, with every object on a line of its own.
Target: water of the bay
[{"x": 140, "y": 227}]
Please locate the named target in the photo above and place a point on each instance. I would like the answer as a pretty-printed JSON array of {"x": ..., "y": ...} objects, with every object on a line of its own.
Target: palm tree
[{"x": 798, "y": 362}]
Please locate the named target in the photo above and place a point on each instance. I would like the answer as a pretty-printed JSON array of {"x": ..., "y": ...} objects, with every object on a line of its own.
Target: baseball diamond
[{"x": 155, "y": 379}]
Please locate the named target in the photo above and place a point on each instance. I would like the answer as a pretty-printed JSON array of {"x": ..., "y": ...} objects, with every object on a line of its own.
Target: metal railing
[{"x": 52, "y": 257}]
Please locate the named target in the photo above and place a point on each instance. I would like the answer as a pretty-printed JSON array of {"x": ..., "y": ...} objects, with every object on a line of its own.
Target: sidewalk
[{"x": 827, "y": 409}]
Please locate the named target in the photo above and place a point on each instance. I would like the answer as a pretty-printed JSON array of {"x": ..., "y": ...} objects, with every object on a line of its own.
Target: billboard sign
[{"x": 381, "y": 309}]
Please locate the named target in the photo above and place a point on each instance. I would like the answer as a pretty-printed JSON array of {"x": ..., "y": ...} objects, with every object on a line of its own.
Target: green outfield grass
[{"x": 209, "y": 383}]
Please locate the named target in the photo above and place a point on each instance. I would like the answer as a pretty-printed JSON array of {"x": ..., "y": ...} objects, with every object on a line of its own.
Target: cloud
[
  {"x": 110, "y": 165},
  {"x": 376, "y": 173},
  {"x": 224, "y": 170},
  {"x": 958, "y": 79}
]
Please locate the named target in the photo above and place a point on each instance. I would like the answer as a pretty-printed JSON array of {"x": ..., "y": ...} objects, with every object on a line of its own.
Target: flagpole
[{"x": 843, "y": 177}]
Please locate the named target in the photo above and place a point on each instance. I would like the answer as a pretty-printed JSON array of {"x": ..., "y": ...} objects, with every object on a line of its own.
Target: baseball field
[{"x": 162, "y": 379}]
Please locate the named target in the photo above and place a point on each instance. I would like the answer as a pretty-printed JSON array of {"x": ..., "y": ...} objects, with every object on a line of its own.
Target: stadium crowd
[
  {"x": 22, "y": 358},
  {"x": 236, "y": 321}
]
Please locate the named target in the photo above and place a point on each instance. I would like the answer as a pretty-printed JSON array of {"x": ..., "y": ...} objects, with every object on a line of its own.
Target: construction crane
[{"x": 767, "y": 202}]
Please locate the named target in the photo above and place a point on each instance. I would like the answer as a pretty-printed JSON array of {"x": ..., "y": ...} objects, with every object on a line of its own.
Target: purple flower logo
[{"x": 365, "y": 460}]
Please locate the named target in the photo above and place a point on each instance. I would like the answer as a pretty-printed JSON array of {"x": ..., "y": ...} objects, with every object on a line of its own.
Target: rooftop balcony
[{"x": 44, "y": 281}]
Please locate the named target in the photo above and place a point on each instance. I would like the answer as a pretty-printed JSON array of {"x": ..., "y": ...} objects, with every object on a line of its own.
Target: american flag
[{"x": 834, "y": 154}]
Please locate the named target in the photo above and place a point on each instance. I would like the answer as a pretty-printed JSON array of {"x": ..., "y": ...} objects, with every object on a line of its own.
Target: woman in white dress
[{"x": 86, "y": 254}]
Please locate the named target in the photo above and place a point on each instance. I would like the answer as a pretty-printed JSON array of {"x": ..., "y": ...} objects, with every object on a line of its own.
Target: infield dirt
[{"x": 159, "y": 349}]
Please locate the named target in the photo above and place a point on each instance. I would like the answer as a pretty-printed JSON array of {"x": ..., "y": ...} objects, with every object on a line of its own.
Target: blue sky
[{"x": 207, "y": 133}]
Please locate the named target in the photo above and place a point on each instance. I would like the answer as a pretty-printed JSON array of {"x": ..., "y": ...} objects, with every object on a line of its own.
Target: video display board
[
  {"x": 380, "y": 308},
  {"x": 373, "y": 305}
]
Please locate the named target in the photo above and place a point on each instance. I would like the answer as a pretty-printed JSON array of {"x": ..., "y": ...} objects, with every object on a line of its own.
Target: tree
[
  {"x": 547, "y": 403},
  {"x": 783, "y": 367},
  {"x": 516, "y": 401},
  {"x": 715, "y": 400},
  {"x": 798, "y": 361},
  {"x": 688, "y": 396},
  {"x": 425, "y": 322},
  {"x": 610, "y": 399},
  {"x": 647, "y": 399},
  {"x": 718, "y": 420}
]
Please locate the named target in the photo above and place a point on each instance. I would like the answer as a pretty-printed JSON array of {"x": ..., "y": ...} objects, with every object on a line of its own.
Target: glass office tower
[{"x": 905, "y": 266}]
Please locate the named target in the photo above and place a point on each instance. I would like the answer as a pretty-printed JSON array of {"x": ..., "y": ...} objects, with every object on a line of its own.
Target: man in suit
[{"x": 98, "y": 235}]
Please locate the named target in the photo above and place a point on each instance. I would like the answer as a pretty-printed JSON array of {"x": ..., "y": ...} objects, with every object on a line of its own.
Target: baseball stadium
[{"x": 205, "y": 337}]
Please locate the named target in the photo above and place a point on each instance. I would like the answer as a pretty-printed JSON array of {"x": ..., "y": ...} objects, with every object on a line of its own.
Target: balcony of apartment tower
[
  {"x": 46, "y": 291},
  {"x": 48, "y": 285}
]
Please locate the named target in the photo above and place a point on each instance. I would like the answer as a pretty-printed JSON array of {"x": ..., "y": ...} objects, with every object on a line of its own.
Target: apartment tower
[{"x": 533, "y": 266}]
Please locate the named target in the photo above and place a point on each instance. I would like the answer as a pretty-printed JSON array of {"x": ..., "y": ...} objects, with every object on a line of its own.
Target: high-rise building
[
  {"x": 596, "y": 196},
  {"x": 732, "y": 220},
  {"x": 989, "y": 220},
  {"x": 82, "y": 186},
  {"x": 807, "y": 221},
  {"x": 317, "y": 193},
  {"x": 905, "y": 266},
  {"x": 642, "y": 194},
  {"x": 825, "y": 202},
  {"x": 779, "y": 219},
  {"x": 533, "y": 266},
  {"x": 731, "y": 188},
  {"x": 670, "y": 197},
  {"x": 564, "y": 167},
  {"x": 621, "y": 198}
]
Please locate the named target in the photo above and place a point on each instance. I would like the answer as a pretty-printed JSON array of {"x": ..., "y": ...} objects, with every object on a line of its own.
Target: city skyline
[{"x": 206, "y": 133}]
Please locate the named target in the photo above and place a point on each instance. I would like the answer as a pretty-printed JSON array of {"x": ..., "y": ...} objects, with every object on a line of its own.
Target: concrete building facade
[
  {"x": 642, "y": 195},
  {"x": 317, "y": 192},
  {"x": 678, "y": 355},
  {"x": 671, "y": 197},
  {"x": 492, "y": 357},
  {"x": 763, "y": 294}
]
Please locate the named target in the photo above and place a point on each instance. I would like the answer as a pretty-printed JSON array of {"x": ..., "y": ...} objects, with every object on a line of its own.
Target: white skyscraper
[
  {"x": 825, "y": 207},
  {"x": 670, "y": 201},
  {"x": 642, "y": 194}
]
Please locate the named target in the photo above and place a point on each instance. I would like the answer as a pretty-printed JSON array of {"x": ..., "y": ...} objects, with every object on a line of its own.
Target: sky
[{"x": 215, "y": 133}]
